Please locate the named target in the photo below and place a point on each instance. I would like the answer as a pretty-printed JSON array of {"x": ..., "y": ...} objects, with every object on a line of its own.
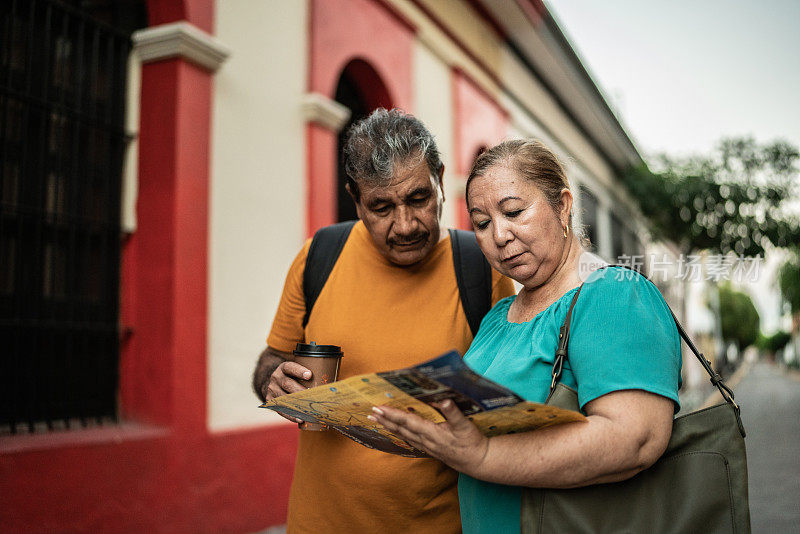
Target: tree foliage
[
  {"x": 739, "y": 317},
  {"x": 730, "y": 201},
  {"x": 789, "y": 281},
  {"x": 773, "y": 343}
]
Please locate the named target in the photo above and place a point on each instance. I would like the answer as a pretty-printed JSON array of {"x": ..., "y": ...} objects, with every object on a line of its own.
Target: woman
[{"x": 624, "y": 352}]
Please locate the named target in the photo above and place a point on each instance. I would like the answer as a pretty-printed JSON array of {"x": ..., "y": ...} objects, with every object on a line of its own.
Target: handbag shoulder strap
[
  {"x": 715, "y": 378},
  {"x": 563, "y": 341}
]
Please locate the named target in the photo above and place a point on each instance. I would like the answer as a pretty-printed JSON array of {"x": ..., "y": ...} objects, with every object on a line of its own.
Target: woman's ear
[{"x": 565, "y": 208}]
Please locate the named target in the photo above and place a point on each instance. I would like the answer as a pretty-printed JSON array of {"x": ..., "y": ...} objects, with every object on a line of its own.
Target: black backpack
[{"x": 473, "y": 275}]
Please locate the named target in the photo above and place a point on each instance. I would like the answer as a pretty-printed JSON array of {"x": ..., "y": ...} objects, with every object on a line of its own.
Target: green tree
[
  {"x": 773, "y": 343},
  {"x": 740, "y": 320},
  {"x": 789, "y": 282},
  {"x": 729, "y": 201}
]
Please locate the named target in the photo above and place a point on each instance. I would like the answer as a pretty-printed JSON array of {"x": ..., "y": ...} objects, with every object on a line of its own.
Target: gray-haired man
[{"x": 390, "y": 301}]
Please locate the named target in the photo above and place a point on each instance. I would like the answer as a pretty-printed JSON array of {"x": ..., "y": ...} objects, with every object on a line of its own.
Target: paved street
[{"x": 770, "y": 401}]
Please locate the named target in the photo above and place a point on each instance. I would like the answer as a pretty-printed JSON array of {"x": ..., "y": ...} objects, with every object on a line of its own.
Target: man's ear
[{"x": 353, "y": 196}]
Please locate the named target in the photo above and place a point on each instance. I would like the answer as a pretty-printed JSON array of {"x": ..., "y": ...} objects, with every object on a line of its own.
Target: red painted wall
[
  {"x": 349, "y": 29},
  {"x": 341, "y": 32},
  {"x": 198, "y": 12},
  {"x": 463, "y": 220},
  {"x": 166, "y": 472},
  {"x": 117, "y": 481},
  {"x": 321, "y": 145},
  {"x": 480, "y": 123}
]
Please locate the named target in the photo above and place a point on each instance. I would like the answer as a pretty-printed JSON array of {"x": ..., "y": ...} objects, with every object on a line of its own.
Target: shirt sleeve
[
  {"x": 287, "y": 327},
  {"x": 623, "y": 337},
  {"x": 502, "y": 287}
]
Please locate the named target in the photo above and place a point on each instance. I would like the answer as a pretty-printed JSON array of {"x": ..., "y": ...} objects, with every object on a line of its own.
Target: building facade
[{"x": 227, "y": 158}]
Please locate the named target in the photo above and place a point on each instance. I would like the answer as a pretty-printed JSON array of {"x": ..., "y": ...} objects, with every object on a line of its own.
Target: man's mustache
[{"x": 408, "y": 239}]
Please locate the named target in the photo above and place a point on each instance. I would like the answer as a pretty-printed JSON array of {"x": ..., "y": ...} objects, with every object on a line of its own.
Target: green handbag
[{"x": 698, "y": 485}]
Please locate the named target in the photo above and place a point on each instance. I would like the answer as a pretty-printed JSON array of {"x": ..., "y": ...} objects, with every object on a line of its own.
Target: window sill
[{"x": 123, "y": 432}]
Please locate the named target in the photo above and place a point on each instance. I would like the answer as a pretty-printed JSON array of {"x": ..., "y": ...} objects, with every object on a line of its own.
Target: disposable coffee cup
[{"x": 323, "y": 362}]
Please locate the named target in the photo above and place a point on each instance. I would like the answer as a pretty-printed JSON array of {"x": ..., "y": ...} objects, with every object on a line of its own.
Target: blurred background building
[{"x": 163, "y": 162}]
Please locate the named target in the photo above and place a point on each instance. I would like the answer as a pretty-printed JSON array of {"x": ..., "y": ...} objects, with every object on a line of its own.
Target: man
[{"x": 390, "y": 301}]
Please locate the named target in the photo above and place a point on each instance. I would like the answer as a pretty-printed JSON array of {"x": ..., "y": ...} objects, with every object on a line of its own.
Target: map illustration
[{"x": 344, "y": 405}]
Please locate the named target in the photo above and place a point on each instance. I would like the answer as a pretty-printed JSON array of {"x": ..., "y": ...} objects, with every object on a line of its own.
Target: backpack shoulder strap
[
  {"x": 325, "y": 248},
  {"x": 473, "y": 276}
]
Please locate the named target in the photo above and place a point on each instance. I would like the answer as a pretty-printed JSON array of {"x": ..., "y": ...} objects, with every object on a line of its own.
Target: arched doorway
[{"x": 361, "y": 90}]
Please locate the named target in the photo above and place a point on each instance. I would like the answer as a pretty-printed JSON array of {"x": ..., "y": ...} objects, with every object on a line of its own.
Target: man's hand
[
  {"x": 275, "y": 376},
  {"x": 283, "y": 380}
]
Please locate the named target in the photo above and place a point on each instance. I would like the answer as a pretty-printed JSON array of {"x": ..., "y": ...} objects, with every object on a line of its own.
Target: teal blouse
[{"x": 622, "y": 336}]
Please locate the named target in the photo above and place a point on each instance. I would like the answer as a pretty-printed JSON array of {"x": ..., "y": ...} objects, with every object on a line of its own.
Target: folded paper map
[{"x": 345, "y": 405}]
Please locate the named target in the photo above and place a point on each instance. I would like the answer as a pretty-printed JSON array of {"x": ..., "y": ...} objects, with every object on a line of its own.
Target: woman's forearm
[
  {"x": 569, "y": 455},
  {"x": 625, "y": 435}
]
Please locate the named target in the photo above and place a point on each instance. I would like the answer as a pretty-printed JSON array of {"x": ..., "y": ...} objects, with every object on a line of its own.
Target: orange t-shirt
[{"x": 384, "y": 317}]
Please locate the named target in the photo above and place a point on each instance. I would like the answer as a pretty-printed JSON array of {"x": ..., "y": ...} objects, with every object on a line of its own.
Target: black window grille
[{"x": 63, "y": 72}]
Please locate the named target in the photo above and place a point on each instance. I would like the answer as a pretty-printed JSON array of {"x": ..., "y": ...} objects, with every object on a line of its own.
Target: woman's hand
[{"x": 457, "y": 441}]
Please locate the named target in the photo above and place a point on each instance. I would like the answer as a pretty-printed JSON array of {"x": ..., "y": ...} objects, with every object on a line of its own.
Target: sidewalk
[{"x": 770, "y": 400}]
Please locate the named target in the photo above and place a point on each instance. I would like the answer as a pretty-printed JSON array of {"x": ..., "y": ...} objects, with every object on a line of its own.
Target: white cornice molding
[
  {"x": 327, "y": 113},
  {"x": 180, "y": 39}
]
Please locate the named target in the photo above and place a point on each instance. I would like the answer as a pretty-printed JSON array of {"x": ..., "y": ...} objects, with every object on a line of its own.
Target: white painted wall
[
  {"x": 257, "y": 192},
  {"x": 433, "y": 102}
]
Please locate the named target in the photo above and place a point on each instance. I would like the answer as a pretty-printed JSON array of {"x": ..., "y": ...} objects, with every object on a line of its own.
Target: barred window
[{"x": 62, "y": 107}]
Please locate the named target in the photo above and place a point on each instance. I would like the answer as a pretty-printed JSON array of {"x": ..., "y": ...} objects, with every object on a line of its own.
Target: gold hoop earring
[{"x": 566, "y": 231}]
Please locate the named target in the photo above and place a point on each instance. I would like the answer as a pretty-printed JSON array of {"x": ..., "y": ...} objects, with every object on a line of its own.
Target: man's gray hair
[{"x": 385, "y": 139}]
